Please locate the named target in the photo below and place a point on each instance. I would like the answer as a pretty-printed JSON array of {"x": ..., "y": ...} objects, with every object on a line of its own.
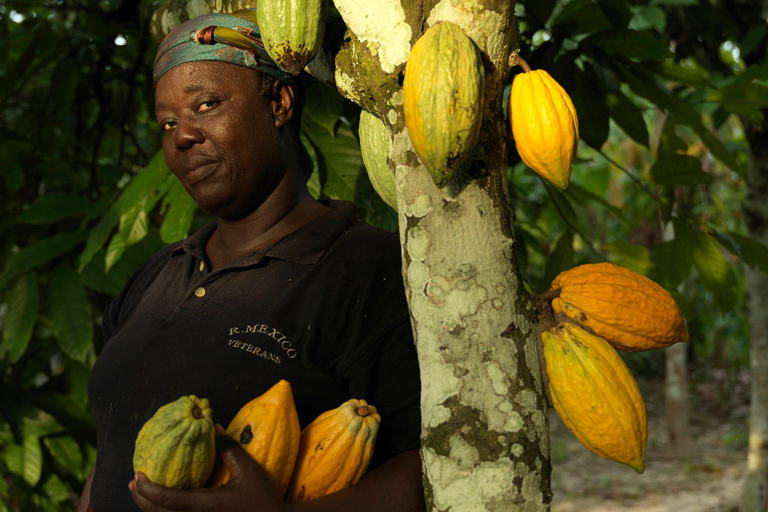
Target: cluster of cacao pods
[
  {"x": 175, "y": 447},
  {"x": 599, "y": 308}
]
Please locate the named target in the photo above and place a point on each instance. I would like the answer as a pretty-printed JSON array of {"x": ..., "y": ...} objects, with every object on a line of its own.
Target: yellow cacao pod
[
  {"x": 544, "y": 125},
  {"x": 268, "y": 429},
  {"x": 292, "y": 30},
  {"x": 335, "y": 450},
  {"x": 595, "y": 394},
  {"x": 375, "y": 145},
  {"x": 175, "y": 447},
  {"x": 629, "y": 310},
  {"x": 443, "y": 98}
]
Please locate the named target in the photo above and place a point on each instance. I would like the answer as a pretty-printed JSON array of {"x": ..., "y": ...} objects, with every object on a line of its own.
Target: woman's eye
[
  {"x": 167, "y": 125},
  {"x": 207, "y": 105}
]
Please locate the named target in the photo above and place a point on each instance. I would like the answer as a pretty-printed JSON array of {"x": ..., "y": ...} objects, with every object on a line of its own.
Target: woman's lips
[{"x": 199, "y": 170}]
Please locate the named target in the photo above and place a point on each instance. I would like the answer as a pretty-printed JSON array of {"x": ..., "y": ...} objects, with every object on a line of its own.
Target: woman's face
[{"x": 220, "y": 136}]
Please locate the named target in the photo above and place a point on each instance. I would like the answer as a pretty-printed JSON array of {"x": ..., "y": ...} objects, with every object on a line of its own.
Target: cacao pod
[
  {"x": 443, "y": 98},
  {"x": 375, "y": 145},
  {"x": 335, "y": 450},
  {"x": 292, "y": 31},
  {"x": 627, "y": 309},
  {"x": 595, "y": 394},
  {"x": 544, "y": 125},
  {"x": 268, "y": 429},
  {"x": 175, "y": 447}
]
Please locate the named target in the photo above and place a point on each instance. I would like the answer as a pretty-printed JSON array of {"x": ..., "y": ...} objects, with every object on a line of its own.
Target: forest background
[{"x": 670, "y": 182}]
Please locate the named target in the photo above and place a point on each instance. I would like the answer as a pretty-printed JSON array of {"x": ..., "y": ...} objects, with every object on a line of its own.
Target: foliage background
[{"x": 663, "y": 89}]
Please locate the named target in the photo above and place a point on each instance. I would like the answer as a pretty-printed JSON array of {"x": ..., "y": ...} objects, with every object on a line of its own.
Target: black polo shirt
[{"x": 324, "y": 308}]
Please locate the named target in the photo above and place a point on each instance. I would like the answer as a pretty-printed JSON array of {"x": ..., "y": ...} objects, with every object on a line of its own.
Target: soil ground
[{"x": 708, "y": 480}]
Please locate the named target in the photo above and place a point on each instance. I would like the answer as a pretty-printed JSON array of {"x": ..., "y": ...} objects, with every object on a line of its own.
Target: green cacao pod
[
  {"x": 375, "y": 145},
  {"x": 175, "y": 447},
  {"x": 443, "y": 98},
  {"x": 292, "y": 30}
]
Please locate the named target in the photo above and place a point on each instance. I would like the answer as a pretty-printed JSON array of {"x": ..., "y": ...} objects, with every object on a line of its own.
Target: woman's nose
[{"x": 187, "y": 134}]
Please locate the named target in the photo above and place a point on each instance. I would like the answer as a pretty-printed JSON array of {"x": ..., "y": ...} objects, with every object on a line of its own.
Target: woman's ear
[{"x": 282, "y": 103}]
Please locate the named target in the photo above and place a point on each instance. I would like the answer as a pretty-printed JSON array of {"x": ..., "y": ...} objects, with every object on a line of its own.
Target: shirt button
[
  {"x": 202, "y": 266},
  {"x": 200, "y": 292}
]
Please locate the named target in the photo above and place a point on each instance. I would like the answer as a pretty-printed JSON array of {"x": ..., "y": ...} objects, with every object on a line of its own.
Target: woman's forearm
[{"x": 85, "y": 498}]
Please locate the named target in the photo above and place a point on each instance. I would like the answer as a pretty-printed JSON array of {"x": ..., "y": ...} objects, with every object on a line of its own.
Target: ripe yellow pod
[
  {"x": 335, "y": 450},
  {"x": 595, "y": 394},
  {"x": 268, "y": 428},
  {"x": 630, "y": 311},
  {"x": 443, "y": 98},
  {"x": 544, "y": 124}
]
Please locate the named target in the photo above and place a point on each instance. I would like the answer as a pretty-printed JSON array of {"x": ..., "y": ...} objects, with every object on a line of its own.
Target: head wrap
[{"x": 230, "y": 38}]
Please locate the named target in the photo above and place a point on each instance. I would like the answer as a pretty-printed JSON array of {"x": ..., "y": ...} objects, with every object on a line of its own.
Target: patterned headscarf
[{"x": 232, "y": 38}]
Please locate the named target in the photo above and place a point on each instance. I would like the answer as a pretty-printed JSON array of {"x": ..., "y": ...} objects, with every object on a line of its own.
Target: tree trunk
[{"x": 755, "y": 493}]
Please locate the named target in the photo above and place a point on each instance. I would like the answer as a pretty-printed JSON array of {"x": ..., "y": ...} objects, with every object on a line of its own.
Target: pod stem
[
  {"x": 197, "y": 412},
  {"x": 517, "y": 60},
  {"x": 363, "y": 410}
]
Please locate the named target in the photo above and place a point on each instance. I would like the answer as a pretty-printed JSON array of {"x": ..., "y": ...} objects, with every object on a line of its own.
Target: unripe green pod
[
  {"x": 292, "y": 30},
  {"x": 443, "y": 98},
  {"x": 375, "y": 145}
]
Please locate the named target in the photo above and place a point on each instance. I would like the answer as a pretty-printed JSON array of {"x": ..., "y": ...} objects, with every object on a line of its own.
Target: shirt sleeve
[{"x": 387, "y": 374}]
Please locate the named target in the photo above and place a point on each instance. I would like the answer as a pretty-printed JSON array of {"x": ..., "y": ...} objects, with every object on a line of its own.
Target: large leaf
[
  {"x": 687, "y": 72},
  {"x": 323, "y": 106},
  {"x": 742, "y": 96},
  {"x": 672, "y": 261},
  {"x": 56, "y": 489},
  {"x": 628, "y": 116},
  {"x": 642, "y": 82},
  {"x": 341, "y": 157},
  {"x": 640, "y": 45},
  {"x": 25, "y": 460},
  {"x": 750, "y": 250},
  {"x": 23, "y": 302},
  {"x": 39, "y": 253},
  {"x": 69, "y": 312},
  {"x": 631, "y": 256},
  {"x": 645, "y": 17},
  {"x": 99, "y": 235},
  {"x": 115, "y": 251},
  {"x": 715, "y": 273},
  {"x": 560, "y": 259},
  {"x": 65, "y": 451},
  {"x": 675, "y": 169},
  {"x": 181, "y": 210},
  {"x": 589, "y": 101},
  {"x": 581, "y": 17},
  {"x": 37, "y": 423},
  {"x": 582, "y": 196},
  {"x": 53, "y": 207}
]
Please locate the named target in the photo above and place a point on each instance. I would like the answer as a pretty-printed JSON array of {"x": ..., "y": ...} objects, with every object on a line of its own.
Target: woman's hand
[{"x": 248, "y": 488}]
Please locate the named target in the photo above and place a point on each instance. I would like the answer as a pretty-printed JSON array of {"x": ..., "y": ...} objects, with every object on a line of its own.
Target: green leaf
[
  {"x": 56, "y": 489},
  {"x": 751, "y": 251},
  {"x": 12, "y": 172},
  {"x": 69, "y": 312},
  {"x": 560, "y": 259},
  {"x": 715, "y": 273},
  {"x": 115, "y": 251},
  {"x": 99, "y": 235},
  {"x": 644, "y": 84},
  {"x": 646, "y": 17},
  {"x": 640, "y": 45},
  {"x": 752, "y": 39},
  {"x": 669, "y": 142},
  {"x": 674, "y": 2},
  {"x": 742, "y": 97},
  {"x": 313, "y": 184},
  {"x": 589, "y": 101},
  {"x": 675, "y": 169},
  {"x": 581, "y": 17},
  {"x": 25, "y": 460},
  {"x": 581, "y": 196},
  {"x": 53, "y": 207},
  {"x": 39, "y": 253},
  {"x": 323, "y": 106},
  {"x": 672, "y": 261},
  {"x": 65, "y": 451},
  {"x": 340, "y": 155},
  {"x": 96, "y": 278},
  {"x": 178, "y": 218},
  {"x": 631, "y": 256},
  {"x": 23, "y": 303},
  {"x": 38, "y": 423},
  {"x": 540, "y": 10},
  {"x": 686, "y": 72},
  {"x": 627, "y": 116},
  {"x": 134, "y": 223}
]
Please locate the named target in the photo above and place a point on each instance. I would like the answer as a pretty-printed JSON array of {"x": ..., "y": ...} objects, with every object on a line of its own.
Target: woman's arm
[
  {"x": 395, "y": 486},
  {"x": 85, "y": 498}
]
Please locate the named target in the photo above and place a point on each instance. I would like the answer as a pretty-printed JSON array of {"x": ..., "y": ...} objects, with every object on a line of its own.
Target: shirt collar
[{"x": 306, "y": 245}]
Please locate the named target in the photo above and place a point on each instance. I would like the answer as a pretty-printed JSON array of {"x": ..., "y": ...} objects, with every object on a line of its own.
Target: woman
[{"x": 279, "y": 286}]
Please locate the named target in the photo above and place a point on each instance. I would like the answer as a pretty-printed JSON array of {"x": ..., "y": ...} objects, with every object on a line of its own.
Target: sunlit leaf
[
  {"x": 686, "y": 73},
  {"x": 627, "y": 116},
  {"x": 38, "y": 423},
  {"x": 631, "y": 256},
  {"x": 69, "y": 312},
  {"x": 181, "y": 210},
  {"x": 23, "y": 302},
  {"x": 715, "y": 273},
  {"x": 52, "y": 207},
  {"x": 65, "y": 451},
  {"x": 99, "y": 235},
  {"x": 648, "y": 17},
  {"x": 55, "y": 489},
  {"x": 115, "y": 250},
  {"x": 39, "y": 253},
  {"x": 675, "y": 169},
  {"x": 750, "y": 250}
]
